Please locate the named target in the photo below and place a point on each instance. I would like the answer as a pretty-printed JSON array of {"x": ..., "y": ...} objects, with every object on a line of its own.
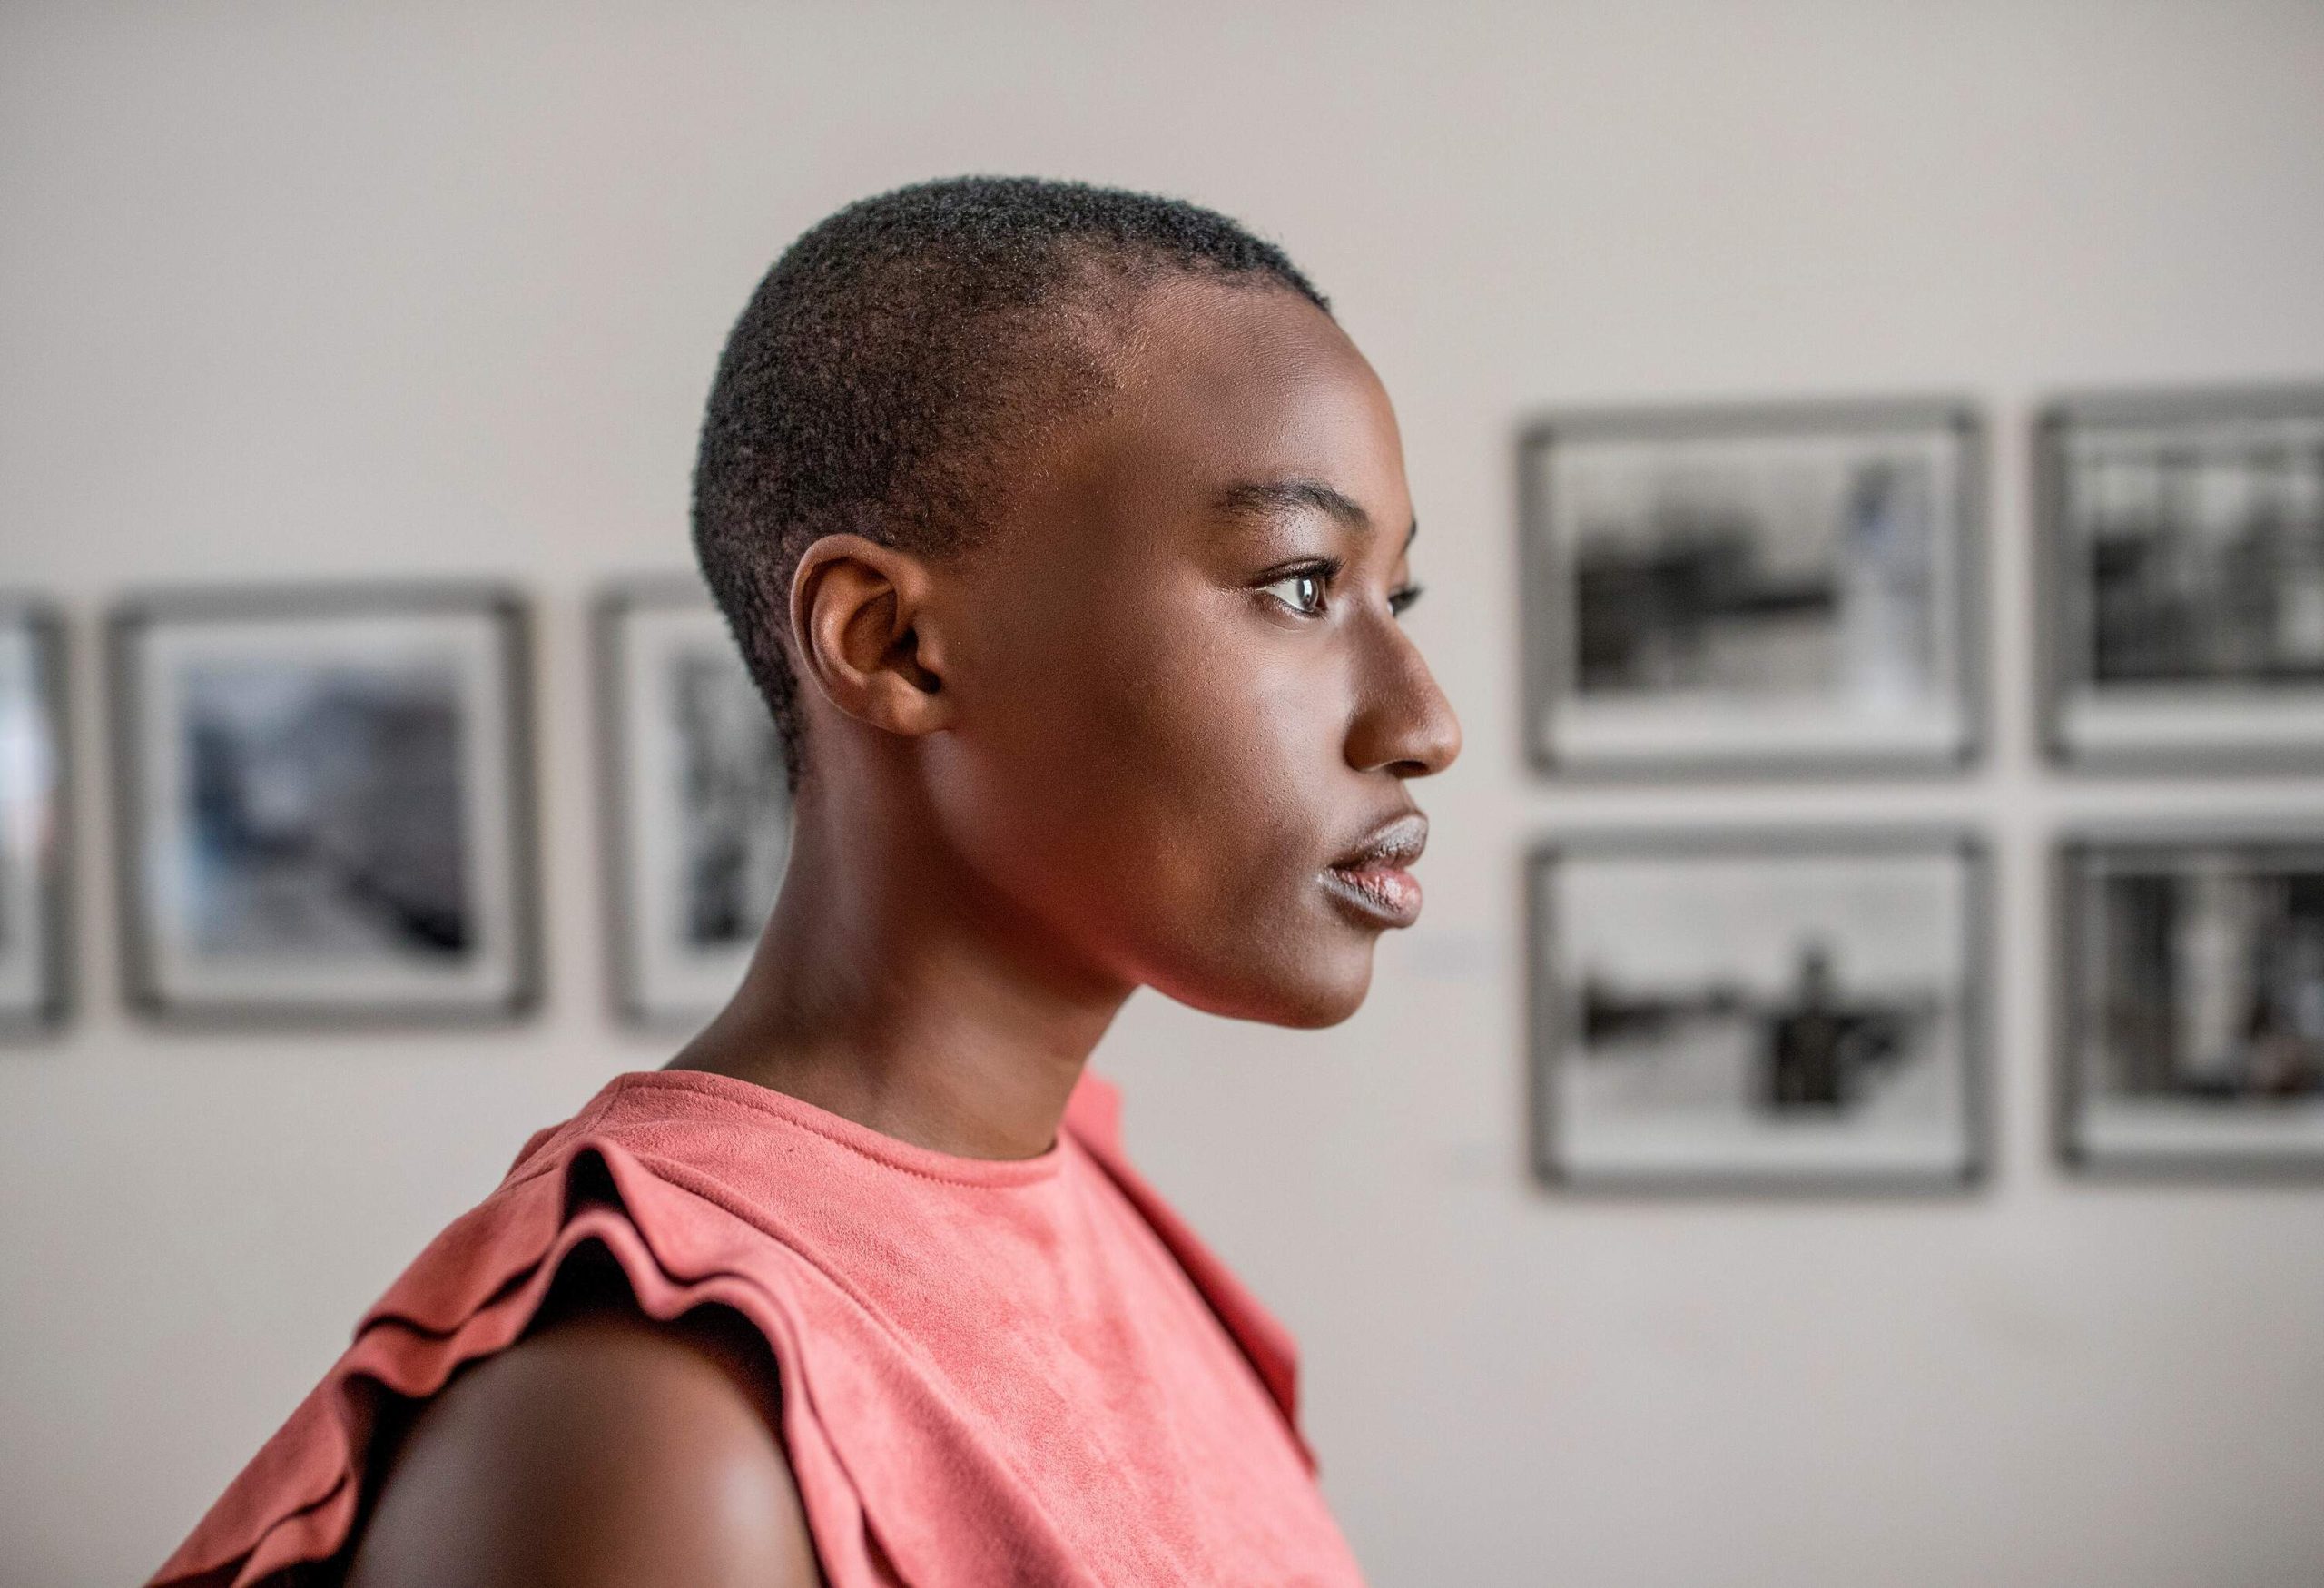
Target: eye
[
  {"x": 1303, "y": 592},
  {"x": 1398, "y": 600}
]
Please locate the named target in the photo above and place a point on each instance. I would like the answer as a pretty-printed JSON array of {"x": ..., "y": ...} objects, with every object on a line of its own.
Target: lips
[{"x": 1371, "y": 881}]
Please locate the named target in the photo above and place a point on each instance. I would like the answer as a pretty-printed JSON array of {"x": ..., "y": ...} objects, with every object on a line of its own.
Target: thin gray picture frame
[
  {"x": 135, "y": 615},
  {"x": 2056, "y": 612},
  {"x": 1545, "y": 1021},
  {"x": 1544, "y": 624},
  {"x": 629, "y": 998},
  {"x": 2069, "y": 930},
  {"x": 45, "y": 622}
]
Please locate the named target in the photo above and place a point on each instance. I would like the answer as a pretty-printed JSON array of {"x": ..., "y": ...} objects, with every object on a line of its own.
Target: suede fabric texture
[{"x": 1023, "y": 1372}]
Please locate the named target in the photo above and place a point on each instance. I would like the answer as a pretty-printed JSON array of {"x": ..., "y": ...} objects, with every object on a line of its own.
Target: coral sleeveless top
[{"x": 1023, "y": 1372}]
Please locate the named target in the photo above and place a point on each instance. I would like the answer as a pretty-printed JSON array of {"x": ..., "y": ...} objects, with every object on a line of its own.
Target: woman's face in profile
[{"x": 1184, "y": 690}]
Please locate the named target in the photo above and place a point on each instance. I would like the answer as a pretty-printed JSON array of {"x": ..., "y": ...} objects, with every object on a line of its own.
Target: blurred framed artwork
[
  {"x": 1758, "y": 1013},
  {"x": 35, "y": 980},
  {"x": 698, "y": 803},
  {"x": 2183, "y": 539},
  {"x": 326, "y": 803},
  {"x": 2192, "y": 1016},
  {"x": 1753, "y": 589}
]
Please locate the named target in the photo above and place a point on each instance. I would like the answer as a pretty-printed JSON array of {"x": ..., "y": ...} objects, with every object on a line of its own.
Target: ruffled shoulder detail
[
  {"x": 472, "y": 1292},
  {"x": 706, "y": 1191}
]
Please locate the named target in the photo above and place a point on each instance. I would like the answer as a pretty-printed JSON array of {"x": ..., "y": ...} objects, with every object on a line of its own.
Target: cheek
[
  {"x": 1223, "y": 786},
  {"x": 1161, "y": 769},
  {"x": 1221, "y": 761},
  {"x": 1235, "y": 805}
]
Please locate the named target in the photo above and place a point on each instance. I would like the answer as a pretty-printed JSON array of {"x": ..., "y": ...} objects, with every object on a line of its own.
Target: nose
[{"x": 1403, "y": 726}]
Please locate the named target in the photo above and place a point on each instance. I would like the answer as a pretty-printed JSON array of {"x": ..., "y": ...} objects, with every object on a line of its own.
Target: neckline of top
[{"x": 890, "y": 1151}]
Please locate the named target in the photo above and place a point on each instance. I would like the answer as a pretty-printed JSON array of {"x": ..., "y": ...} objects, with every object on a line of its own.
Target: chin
[
  {"x": 1304, "y": 997},
  {"x": 1315, "y": 1016}
]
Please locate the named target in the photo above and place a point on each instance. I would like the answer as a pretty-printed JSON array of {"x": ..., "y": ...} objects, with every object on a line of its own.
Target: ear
[{"x": 858, "y": 614}]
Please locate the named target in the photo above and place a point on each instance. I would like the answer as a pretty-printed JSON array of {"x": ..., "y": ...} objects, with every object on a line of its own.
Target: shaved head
[{"x": 901, "y": 360}]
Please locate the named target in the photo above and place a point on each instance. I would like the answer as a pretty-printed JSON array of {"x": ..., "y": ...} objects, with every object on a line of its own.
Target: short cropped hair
[{"x": 898, "y": 359}]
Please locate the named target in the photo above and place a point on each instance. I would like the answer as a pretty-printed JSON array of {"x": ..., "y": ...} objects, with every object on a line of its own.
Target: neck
[{"x": 895, "y": 988}]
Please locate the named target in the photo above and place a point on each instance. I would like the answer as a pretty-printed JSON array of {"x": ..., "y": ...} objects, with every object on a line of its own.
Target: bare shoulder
[{"x": 604, "y": 1448}]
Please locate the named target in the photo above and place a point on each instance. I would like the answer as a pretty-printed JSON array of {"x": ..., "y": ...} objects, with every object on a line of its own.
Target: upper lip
[{"x": 1396, "y": 843}]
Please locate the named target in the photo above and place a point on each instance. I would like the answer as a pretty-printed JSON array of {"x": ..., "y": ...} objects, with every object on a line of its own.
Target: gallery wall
[{"x": 434, "y": 292}]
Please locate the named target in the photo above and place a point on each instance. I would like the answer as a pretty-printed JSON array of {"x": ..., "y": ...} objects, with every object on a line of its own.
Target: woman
[{"x": 1065, "y": 534}]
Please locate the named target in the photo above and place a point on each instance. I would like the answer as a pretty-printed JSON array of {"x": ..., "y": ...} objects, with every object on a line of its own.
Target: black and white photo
[
  {"x": 326, "y": 803},
  {"x": 1760, "y": 590},
  {"x": 700, "y": 803},
  {"x": 2185, "y": 549},
  {"x": 1756, "y": 1011},
  {"x": 33, "y": 937},
  {"x": 2194, "y": 1001}
]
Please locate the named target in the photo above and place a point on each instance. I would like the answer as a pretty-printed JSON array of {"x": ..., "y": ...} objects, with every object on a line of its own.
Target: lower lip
[{"x": 1386, "y": 897}]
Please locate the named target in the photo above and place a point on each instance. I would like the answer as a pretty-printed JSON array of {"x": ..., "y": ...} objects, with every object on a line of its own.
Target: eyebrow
[{"x": 1260, "y": 498}]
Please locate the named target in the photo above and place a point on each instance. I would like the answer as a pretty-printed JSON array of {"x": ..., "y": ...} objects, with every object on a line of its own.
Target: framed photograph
[
  {"x": 1752, "y": 589},
  {"x": 699, "y": 803},
  {"x": 326, "y": 805},
  {"x": 35, "y": 980},
  {"x": 2184, "y": 542},
  {"x": 2193, "y": 1001},
  {"x": 1739, "y": 1012}
]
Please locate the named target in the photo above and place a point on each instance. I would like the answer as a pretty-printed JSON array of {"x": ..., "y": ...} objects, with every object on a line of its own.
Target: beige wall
[{"x": 355, "y": 291}]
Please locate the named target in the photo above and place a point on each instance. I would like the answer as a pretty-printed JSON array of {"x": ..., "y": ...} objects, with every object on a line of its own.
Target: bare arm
[{"x": 604, "y": 1449}]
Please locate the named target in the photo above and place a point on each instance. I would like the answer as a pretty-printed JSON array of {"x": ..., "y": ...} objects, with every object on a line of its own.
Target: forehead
[{"x": 1217, "y": 387}]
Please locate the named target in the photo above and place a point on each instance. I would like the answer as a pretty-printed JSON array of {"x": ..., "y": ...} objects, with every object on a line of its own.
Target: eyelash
[{"x": 1323, "y": 572}]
